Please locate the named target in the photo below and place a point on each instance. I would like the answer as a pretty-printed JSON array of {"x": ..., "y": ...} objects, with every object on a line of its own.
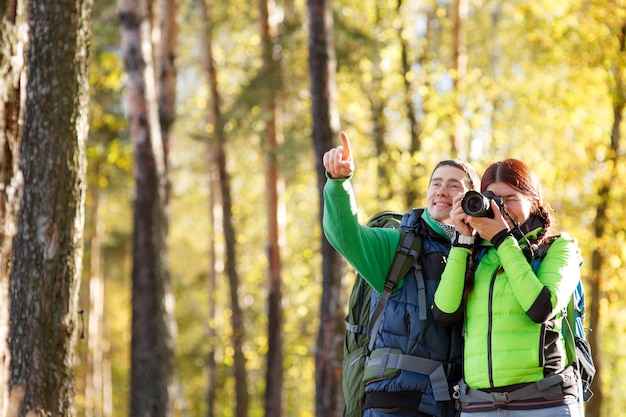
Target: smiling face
[
  {"x": 517, "y": 204},
  {"x": 446, "y": 183}
]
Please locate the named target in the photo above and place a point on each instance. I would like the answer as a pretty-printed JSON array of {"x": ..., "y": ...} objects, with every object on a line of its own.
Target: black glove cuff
[{"x": 499, "y": 237}]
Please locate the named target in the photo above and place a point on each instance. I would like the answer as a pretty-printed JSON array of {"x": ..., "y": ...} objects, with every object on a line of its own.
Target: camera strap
[
  {"x": 525, "y": 244},
  {"x": 519, "y": 235}
]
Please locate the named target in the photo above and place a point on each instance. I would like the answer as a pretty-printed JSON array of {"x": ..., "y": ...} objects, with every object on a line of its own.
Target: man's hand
[
  {"x": 459, "y": 218},
  {"x": 338, "y": 161}
]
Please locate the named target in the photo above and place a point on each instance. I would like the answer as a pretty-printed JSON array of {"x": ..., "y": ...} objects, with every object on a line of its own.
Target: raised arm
[{"x": 369, "y": 250}]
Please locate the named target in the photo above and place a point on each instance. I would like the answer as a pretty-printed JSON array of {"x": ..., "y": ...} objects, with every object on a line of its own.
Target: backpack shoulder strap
[
  {"x": 568, "y": 331},
  {"x": 406, "y": 255},
  {"x": 540, "y": 252}
]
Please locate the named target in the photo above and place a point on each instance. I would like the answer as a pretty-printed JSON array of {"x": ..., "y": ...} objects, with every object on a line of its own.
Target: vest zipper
[{"x": 407, "y": 321}]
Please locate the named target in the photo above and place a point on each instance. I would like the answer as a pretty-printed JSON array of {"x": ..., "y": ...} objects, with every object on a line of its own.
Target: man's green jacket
[{"x": 369, "y": 250}]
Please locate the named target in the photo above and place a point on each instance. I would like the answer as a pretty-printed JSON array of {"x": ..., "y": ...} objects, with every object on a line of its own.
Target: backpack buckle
[{"x": 500, "y": 397}]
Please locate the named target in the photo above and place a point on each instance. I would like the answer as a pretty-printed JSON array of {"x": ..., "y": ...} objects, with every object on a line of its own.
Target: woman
[{"x": 514, "y": 356}]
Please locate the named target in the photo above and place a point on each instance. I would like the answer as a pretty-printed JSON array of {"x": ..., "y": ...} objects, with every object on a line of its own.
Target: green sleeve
[
  {"x": 369, "y": 250},
  {"x": 559, "y": 272},
  {"x": 449, "y": 294}
]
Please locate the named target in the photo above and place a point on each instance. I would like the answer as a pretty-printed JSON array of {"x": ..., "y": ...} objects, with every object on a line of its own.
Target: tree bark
[
  {"x": 329, "y": 348},
  {"x": 152, "y": 345},
  {"x": 276, "y": 212},
  {"x": 13, "y": 95},
  {"x": 48, "y": 248}
]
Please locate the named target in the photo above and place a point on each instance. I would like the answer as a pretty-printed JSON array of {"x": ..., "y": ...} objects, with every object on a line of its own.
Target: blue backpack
[
  {"x": 574, "y": 331},
  {"x": 575, "y": 338}
]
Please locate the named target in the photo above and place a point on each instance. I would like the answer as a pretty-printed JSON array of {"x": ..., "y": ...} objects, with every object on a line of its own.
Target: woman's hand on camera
[{"x": 486, "y": 227}]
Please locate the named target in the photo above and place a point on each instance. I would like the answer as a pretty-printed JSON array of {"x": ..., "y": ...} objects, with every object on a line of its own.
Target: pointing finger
[{"x": 347, "y": 150}]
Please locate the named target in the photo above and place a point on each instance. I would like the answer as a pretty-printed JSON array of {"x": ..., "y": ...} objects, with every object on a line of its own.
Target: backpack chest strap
[{"x": 386, "y": 358}]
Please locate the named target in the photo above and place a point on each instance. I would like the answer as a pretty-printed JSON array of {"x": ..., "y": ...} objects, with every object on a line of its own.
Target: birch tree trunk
[
  {"x": 48, "y": 247},
  {"x": 166, "y": 70},
  {"x": 152, "y": 345}
]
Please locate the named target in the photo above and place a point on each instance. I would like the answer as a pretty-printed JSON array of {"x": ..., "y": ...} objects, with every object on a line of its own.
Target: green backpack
[{"x": 358, "y": 319}]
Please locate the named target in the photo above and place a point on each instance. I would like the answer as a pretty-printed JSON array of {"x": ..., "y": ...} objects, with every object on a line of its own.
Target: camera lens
[{"x": 477, "y": 205}]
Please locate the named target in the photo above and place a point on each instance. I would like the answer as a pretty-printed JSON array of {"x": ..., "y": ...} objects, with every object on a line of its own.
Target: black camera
[{"x": 479, "y": 205}]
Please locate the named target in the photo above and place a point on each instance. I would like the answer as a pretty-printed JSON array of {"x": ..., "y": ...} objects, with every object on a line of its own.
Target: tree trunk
[
  {"x": 167, "y": 54},
  {"x": 48, "y": 247},
  {"x": 214, "y": 212},
  {"x": 329, "y": 348},
  {"x": 599, "y": 265},
  {"x": 495, "y": 70},
  {"x": 459, "y": 69},
  {"x": 412, "y": 193},
  {"x": 378, "y": 103},
  {"x": 241, "y": 378},
  {"x": 215, "y": 224},
  {"x": 152, "y": 345},
  {"x": 415, "y": 128},
  {"x": 218, "y": 150},
  {"x": 166, "y": 107},
  {"x": 276, "y": 212},
  {"x": 12, "y": 96},
  {"x": 94, "y": 384}
]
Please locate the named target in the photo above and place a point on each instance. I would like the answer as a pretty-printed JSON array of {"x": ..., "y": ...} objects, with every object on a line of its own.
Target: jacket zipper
[{"x": 490, "y": 328}]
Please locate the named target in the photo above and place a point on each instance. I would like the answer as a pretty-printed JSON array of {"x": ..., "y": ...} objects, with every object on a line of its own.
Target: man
[{"x": 412, "y": 356}]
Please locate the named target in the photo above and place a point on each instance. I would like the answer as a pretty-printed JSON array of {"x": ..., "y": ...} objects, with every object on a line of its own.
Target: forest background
[{"x": 412, "y": 82}]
